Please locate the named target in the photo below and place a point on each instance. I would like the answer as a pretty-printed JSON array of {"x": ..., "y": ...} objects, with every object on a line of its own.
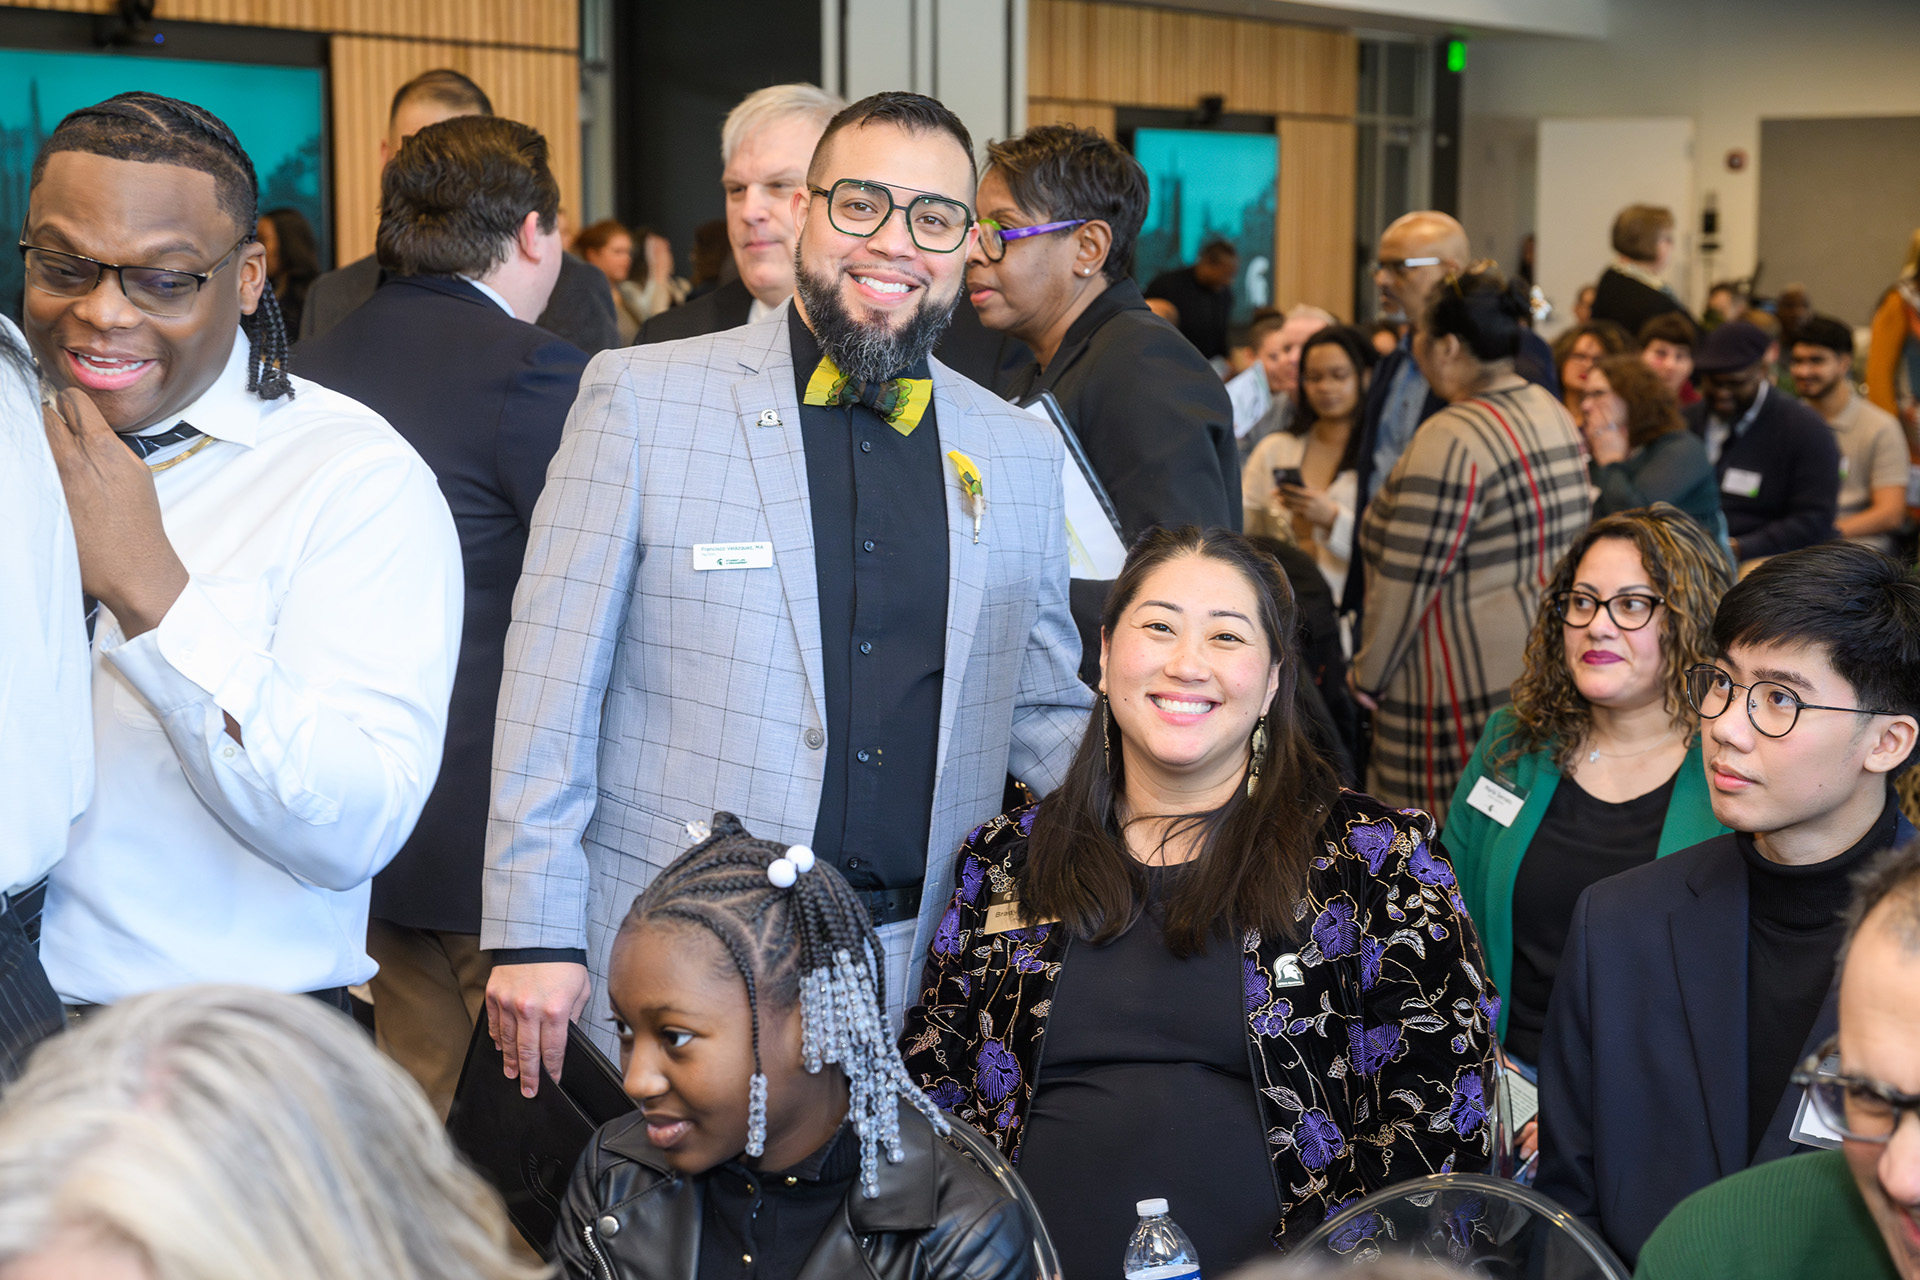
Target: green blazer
[{"x": 1486, "y": 856}]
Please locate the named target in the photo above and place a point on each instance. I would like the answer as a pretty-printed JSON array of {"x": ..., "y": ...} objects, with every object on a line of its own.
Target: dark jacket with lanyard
[
  {"x": 1370, "y": 1036},
  {"x": 629, "y": 1216}
]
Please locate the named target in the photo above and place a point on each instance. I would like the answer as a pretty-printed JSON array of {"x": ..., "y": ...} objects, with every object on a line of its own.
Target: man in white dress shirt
[
  {"x": 46, "y": 740},
  {"x": 277, "y": 576}
]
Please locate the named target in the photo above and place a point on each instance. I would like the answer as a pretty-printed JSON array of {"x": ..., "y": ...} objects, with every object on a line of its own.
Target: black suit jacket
[
  {"x": 1629, "y": 303},
  {"x": 580, "y": 310},
  {"x": 483, "y": 397},
  {"x": 1156, "y": 424},
  {"x": 1792, "y": 449},
  {"x": 725, "y": 308},
  {"x": 1643, "y": 1068}
]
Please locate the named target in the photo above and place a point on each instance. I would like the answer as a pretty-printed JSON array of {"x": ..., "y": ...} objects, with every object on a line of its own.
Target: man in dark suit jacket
[
  {"x": 1631, "y": 292},
  {"x": 440, "y": 353},
  {"x": 1691, "y": 987},
  {"x": 1777, "y": 461},
  {"x": 581, "y": 308}
]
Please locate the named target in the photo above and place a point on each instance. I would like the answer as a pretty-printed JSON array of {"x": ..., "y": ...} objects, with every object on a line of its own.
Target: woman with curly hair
[
  {"x": 1595, "y": 765},
  {"x": 1199, "y": 968},
  {"x": 1640, "y": 451}
]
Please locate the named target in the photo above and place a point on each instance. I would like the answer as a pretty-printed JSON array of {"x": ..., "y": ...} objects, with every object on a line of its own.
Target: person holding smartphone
[{"x": 1301, "y": 484}]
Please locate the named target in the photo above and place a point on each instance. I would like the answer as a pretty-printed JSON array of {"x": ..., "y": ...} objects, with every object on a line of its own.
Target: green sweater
[
  {"x": 1486, "y": 856},
  {"x": 1801, "y": 1218}
]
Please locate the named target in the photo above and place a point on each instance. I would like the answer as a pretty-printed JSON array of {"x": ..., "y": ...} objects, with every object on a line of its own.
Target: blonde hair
[
  {"x": 776, "y": 102},
  {"x": 228, "y": 1133}
]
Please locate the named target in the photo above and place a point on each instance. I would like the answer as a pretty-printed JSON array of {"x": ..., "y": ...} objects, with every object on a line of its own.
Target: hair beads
[{"x": 798, "y": 935}]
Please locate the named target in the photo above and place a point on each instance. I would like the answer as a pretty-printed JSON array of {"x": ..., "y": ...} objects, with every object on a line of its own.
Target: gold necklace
[{"x": 178, "y": 458}]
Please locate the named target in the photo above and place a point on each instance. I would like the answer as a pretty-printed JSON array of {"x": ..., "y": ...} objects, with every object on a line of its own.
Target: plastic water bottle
[{"x": 1159, "y": 1249}]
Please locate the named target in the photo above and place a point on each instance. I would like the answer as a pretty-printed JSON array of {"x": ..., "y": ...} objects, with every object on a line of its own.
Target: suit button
[
  {"x": 814, "y": 739},
  {"x": 608, "y": 1226}
]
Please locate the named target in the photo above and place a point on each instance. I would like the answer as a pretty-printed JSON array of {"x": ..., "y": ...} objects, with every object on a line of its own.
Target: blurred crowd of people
[{"x": 981, "y": 743}]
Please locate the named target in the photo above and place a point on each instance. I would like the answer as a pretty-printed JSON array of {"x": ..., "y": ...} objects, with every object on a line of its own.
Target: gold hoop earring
[{"x": 1259, "y": 752}]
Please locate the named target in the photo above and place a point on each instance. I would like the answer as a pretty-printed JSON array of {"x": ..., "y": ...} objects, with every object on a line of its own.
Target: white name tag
[
  {"x": 1494, "y": 800},
  {"x": 1741, "y": 482},
  {"x": 732, "y": 555}
]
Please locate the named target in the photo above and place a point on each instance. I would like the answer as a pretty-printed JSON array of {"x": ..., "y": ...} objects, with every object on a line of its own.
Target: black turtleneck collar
[{"x": 1811, "y": 897}]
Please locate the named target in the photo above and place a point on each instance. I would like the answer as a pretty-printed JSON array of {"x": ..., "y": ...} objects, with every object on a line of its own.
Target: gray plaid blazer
[{"x": 641, "y": 694}]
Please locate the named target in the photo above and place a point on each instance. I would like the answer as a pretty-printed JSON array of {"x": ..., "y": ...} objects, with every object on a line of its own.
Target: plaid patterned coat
[{"x": 1460, "y": 543}]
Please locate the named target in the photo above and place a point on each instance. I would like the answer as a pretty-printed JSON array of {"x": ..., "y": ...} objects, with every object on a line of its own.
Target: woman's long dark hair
[
  {"x": 1255, "y": 851},
  {"x": 1364, "y": 357}
]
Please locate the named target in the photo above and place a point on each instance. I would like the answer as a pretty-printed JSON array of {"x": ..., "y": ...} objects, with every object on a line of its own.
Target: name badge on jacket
[
  {"x": 732, "y": 555},
  {"x": 1741, "y": 483},
  {"x": 1494, "y": 800}
]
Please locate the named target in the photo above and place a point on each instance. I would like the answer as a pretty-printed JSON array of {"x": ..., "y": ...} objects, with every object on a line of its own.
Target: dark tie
[{"x": 143, "y": 447}]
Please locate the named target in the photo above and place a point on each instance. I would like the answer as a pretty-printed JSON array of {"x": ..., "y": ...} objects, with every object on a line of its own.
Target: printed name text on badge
[{"x": 732, "y": 555}]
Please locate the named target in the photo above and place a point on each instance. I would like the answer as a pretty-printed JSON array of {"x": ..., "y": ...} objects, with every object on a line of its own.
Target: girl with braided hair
[{"x": 779, "y": 1134}]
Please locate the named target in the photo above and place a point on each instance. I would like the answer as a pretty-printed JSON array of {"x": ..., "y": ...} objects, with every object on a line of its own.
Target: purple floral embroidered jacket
[{"x": 1371, "y": 1032}]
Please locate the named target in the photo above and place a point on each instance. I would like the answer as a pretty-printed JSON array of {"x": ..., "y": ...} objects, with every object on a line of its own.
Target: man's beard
[{"x": 867, "y": 351}]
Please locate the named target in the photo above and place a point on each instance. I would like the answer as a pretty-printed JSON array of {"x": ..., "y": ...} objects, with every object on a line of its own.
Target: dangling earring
[
  {"x": 1106, "y": 731},
  {"x": 1259, "y": 752},
  {"x": 757, "y": 1112}
]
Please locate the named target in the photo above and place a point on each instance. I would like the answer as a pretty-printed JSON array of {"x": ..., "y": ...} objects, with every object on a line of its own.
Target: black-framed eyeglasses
[
  {"x": 1856, "y": 1108},
  {"x": 1773, "y": 708},
  {"x": 994, "y": 237},
  {"x": 1630, "y": 610},
  {"x": 158, "y": 291},
  {"x": 855, "y": 207}
]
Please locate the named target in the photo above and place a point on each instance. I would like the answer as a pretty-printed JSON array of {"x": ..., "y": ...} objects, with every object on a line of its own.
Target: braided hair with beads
[
  {"x": 152, "y": 129},
  {"x": 797, "y": 934}
]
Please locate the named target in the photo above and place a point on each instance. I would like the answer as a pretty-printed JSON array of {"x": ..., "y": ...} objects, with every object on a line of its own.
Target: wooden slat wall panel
[
  {"x": 533, "y": 85},
  {"x": 547, "y": 23},
  {"x": 1313, "y": 229},
  {"x": 1087, "y": 59}
]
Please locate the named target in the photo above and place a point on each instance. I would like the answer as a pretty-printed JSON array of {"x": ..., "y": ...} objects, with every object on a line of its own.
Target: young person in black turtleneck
[{"x": 1692, "y": 986}]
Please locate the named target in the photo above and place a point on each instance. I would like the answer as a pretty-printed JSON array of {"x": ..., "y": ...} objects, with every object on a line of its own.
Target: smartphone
[{"x": 1284, "y": 476}]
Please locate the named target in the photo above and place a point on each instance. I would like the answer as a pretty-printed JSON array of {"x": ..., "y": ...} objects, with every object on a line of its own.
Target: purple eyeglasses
[{"x": 994, "y": 237}]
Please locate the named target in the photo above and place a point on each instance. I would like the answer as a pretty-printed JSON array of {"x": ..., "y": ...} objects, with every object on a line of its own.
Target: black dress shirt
[
  {"x": 1204, "y": 313},
  {"x": 880, "y": 556},
  {"x": 762, "y": 1224}
]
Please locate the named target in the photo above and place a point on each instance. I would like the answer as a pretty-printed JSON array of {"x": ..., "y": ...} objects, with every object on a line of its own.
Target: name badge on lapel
[
  {"x": 1004, "y": 913},
  {"x": 1741, "y": 483},
  {"x": 768, "y": 418},
  {"x": 732, "y": 555},
  {"x": 1494, "y": 800}
]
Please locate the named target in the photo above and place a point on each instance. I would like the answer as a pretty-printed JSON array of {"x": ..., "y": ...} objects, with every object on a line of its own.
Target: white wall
[
  {"x": 967, "y": 53},
  {"x": 1723, "y": 63}
]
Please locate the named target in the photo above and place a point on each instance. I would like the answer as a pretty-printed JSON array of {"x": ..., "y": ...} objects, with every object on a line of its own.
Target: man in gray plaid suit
[{"x": 795, "y": 571}]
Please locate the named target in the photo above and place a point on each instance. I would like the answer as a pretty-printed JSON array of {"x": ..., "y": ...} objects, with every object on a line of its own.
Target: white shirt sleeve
[
  {"x": 339, "y": 683},
  {"x": 46, "y": 717}
]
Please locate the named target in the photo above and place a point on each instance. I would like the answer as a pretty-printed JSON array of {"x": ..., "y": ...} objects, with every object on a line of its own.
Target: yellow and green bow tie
[{"x": 901, "y": 401}]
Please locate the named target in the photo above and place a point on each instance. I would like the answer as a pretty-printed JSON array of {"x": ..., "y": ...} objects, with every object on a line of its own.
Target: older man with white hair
[{"x": 765, "y": 145}]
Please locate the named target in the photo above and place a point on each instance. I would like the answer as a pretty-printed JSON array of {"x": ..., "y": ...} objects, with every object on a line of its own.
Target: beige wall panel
[
  {"x": 550, "y": 24},
  {"x": 1313, "y": 232},
  {"x": 1088, "y": 115}
]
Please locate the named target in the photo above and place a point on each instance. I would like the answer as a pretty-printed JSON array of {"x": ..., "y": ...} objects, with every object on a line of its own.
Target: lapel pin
[{"x": 768, "y": 418}]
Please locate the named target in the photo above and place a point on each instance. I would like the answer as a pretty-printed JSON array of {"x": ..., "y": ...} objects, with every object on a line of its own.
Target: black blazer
[
  {"x": 1793, "y": 451},
  {"x": 724, "y": 308},
  {"x": 483, "y": 397},
  {"x": 1154, "y": 419},
  {"x": 580, "y": 310},
  {"x": 1629, "y": 303},
  {"x": 1643, "y": 1068}
]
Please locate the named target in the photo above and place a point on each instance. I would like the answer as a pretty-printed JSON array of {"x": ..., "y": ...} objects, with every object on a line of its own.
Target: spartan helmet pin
[{"x": 768, "y": 418}]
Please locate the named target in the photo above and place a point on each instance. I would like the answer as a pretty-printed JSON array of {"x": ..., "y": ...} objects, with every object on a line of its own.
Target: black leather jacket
[{"x": 938, "y": 1216}]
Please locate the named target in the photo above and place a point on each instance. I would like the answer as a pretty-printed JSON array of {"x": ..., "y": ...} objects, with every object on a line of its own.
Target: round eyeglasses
[
  {"x": 994, "y": 237},
  {"x": 859, "y": 208},
  {"x": 1856, "y": 1108},
  {"x": 154, "y": 290},
  {"x": 1630, "y": 610},
  {"x": 1773, "y": 708}
]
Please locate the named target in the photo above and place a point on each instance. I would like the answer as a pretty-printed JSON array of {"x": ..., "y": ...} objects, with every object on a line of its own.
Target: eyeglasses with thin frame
[
  {"x": 158, "y": 291},
  {"x": 1630, "y": 610},
  {"x": 1400, "y": 266},
  {"x": 994, "y": 237},
  {"x": 855, "y": 207},
  {"x": 1856, "y": 1108},
  {"x": 1772, "y": 708}
]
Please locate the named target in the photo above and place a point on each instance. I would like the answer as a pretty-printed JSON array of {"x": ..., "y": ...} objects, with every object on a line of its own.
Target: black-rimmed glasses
[
  {"x": 158, "y": 291},
  {"x": 1773, "y": 708},
  {"x": 1630, "y": 610},
  {"x": 1856, "y": 1108},
  {"x": 859, "y": 208},
  {"x": 994, "y": 237}
]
